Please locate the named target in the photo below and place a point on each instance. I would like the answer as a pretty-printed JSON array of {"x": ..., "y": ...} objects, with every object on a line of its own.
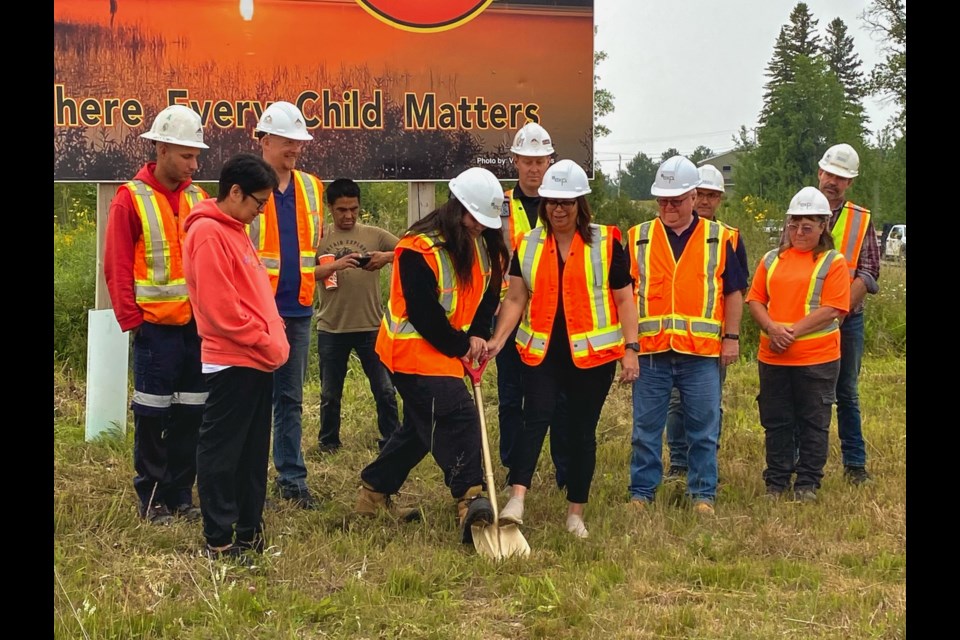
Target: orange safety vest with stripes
[
  {"x": 399, "y": 345},
  {"x": 813, "y": 348},
  {"x": 265, "y": 234},
  {"x": 680, "y": 303},
  {"x": 849, "y": 233},
  {"x": 593, "y": 324},
  {"x": 159, "y": 284}
]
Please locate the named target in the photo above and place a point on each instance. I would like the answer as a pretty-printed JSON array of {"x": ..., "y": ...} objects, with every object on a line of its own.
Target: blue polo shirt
[
  {"x": 734, "y": 278},
  {"x": 288, "y": 287}
]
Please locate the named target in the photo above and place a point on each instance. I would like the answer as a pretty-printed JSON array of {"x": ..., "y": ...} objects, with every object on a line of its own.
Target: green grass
[{"x": 834, "y": 569}]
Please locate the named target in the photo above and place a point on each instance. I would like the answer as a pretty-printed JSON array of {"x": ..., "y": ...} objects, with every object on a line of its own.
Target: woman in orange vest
[
  {"x": 799, "y": 293},
  {"x": 570, "y": 282},
  {"x": 444, "y": 289}
]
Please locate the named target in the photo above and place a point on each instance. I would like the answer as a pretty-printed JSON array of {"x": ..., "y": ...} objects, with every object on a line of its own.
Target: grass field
[{"x": 833, "y": 569}]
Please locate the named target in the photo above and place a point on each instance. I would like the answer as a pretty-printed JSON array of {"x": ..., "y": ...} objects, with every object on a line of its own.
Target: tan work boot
[
  {"x": 473, "y": 508},
  {"x": 370, "y": 503}
]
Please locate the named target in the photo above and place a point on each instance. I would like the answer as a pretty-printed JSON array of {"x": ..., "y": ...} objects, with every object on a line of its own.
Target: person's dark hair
[
  {"x": 342, "y": 188},
  {"x": 826, "y": 240},
  {"x": 446, "y": 220},
  {"x": 247, "y": 171},
  {"x": 584, "y": 216}
]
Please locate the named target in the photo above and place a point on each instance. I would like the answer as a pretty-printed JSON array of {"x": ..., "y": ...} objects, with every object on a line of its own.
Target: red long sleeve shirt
[{"x": 123, "y": 230}]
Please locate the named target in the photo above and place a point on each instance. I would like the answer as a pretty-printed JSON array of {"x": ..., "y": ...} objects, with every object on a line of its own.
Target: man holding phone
[{"x": 348, "y": 317}]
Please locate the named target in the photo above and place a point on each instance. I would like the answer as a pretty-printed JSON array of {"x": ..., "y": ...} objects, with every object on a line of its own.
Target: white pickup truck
[{"x": 896, "y": 247}]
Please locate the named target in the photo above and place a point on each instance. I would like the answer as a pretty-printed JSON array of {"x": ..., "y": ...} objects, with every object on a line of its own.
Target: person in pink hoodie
[{"x": 243, "y": 343}]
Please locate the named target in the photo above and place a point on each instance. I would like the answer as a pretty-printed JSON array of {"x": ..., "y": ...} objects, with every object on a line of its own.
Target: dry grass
[{"x": 835, "y": 569}]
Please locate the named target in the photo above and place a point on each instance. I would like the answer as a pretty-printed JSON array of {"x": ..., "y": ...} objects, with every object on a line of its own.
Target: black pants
[
  {"x": 439, "y": 417},
  {"x": 796, "y": 400},
  {"x": 232, "y": 454},
  {"x": 586, "y": 390}
]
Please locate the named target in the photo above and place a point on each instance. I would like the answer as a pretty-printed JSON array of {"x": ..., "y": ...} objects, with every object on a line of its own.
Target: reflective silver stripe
[
  {"x": 705, "y": 326},
  {"x": 770, "y": 257},
  {"x": 308, "y": 262},
  {"x": 194, "y": 195},
  {"x": 650, "y": 327},
  {"x": 270, "y": 263},
  {"x": 675, "y": 324},
  {"x": 160, "y": 291},
  {"x": 446, "y": 279},
  {"x": 310, "y": 191},
  {"x": 192, "y": 399},
  {"x": 254, "y": 231},
  {"x": 601, "y": 340},
  {"x": 594, "y": 255},
  {"x": 151, "y": 400},
  {"x": 529, "y": 246},
  {"x": 856, "y": 228},
  {"x": 643, "y": 242},
  {"x": 154, "y": 239},
  {"x": 531, "y": 342},
  {"x": 713, "y": 259}
]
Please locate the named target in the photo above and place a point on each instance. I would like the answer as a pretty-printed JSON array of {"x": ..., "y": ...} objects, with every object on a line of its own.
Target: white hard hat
[
  {"x": 809, "y": 201},
  {"x": 564, "y": 179},
  {"x": 711, "y": 178},
  {"x": 285, "y": 120},
  {"x": 841, "y": 160},
  {"x": 177, "y": 124},
  {"x": 675, "y": 177},
  {"x": 532, "y": 140},
  {"x": 481, "y": 194}
]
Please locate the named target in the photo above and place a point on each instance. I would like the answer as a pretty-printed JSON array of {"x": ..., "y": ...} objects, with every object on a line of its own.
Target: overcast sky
[{"x": 690, "y": 72}]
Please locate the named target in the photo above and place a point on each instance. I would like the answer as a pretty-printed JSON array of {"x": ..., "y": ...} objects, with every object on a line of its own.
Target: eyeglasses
[
  {"x": 673, "y": 202},
  {"x": 802, "y": 228},
  {"x": 708, "y": 195},
  {"x": 260, "y": 203},
  {"x": 566, "y": 204}
]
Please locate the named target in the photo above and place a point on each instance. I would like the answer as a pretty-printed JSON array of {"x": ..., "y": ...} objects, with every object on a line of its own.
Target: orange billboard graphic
[{"x": 389, "y": 89}]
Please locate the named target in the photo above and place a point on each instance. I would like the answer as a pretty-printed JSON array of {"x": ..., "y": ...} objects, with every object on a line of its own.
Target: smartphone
[{"x": 363, "y": 260}]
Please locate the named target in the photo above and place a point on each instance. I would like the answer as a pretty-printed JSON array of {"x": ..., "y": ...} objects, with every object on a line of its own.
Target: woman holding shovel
[
  {"x": 570, "y": 282},
  {"x": 443, "y": 292}
]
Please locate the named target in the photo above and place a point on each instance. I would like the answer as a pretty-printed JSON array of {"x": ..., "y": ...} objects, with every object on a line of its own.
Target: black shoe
[
  {"x": 675, "y": 473},
  {"x": 804, "y": 494},
  {"x": 328, "y": 447},
  {"x": 301, "y": 498},
  {"x": 256, "y": 545},
  {"x": 158, "y": 514},
  {"x": 234, "y": 553},
  {"x": 187, "y": 511},
  {"x": 479, "y": 511},
  {"x": 856, "y": 475},
  {"x": 773, "y": 494}
]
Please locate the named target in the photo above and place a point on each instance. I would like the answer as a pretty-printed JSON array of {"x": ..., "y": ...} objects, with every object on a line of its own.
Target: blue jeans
[
  {"x": 849, "y": 427},
  {"x": 676, "y": 435},
  {"x": 698, "y": 379},
  {"x": 334, "y": 350},
  {"x": 288, "y": 407}
]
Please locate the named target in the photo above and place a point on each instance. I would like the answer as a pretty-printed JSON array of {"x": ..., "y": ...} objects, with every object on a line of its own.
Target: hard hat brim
[
  {"x": 306, "y": 137},
  {"x": 710, "y": 187},
  {"x": 149, "y": 135},
  {"x": 489, "y": 223},
  {"x": 556, "y": 193},
  {"x": 837, "y": 171},
  {"x": 669, "y": 193},
  {"x": 544, "y": 152}
]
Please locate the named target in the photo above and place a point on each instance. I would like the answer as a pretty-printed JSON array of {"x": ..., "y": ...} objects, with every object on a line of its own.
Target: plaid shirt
[{"x": 869, "y": 261}]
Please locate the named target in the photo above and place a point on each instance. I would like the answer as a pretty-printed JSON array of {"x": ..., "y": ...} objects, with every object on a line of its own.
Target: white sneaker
[
  {"x": 576, "y": 527},
  {"x": 512, "y": 512}
]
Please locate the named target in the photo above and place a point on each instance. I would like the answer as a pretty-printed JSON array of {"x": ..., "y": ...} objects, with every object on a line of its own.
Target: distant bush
[{"x": 74, "y": 288}]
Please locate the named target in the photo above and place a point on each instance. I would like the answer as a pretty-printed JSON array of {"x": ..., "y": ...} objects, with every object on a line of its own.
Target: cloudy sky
[{"x": 690, "y": 72}]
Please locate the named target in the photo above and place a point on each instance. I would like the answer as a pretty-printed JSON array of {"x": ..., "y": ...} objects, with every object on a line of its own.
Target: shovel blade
[{"x": 499, "y": 542}]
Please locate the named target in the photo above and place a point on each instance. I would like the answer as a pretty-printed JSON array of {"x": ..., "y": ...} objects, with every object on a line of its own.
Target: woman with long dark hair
[{"x": 443, "y": 292}]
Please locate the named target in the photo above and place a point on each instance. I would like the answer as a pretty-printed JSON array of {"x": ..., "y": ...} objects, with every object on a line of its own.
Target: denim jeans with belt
[
  {"x": 849, "y": 426},
  {"x": 288, "y": 407},
  {"x": 698, "y": 379},
  {"x": 333, "y": 350}
]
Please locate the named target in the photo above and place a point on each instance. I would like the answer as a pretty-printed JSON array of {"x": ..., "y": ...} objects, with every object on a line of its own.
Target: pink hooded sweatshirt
[{"x": 230, "y": 292}]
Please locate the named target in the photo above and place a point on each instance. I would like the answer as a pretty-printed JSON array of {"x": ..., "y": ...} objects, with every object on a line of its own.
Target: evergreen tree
[
  {"x": 700, "y": 153},
  {"x": 669, "y": 153},
  {"x": 888, "y": 19},
  {"x": 798, "y": 38},
  {"x": 636, "y": 179},
  {"x": 841, "y": 59}
]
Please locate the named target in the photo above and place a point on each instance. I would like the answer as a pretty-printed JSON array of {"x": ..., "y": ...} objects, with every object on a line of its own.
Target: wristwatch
[
  {"x": 633, "y": 345},
  {"x": 731, "y": 336}
]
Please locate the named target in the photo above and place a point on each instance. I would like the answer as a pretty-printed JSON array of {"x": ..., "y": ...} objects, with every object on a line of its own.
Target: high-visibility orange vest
[
  {"x": 593, "y": 324},
  {"x": 265, "y": 234},
  {"x": 399, "y": 345},
  {"x": 849, "y": 233},
  {"x": 680, "y": 303},
  {"x": 159, "y": 285},
  {"x": 784, "y": 277}
]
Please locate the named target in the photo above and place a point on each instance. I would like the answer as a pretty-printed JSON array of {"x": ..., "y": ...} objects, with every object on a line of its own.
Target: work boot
[
  {"x": 370, "y": 503},
  {"x": 473, "y": 508},
  {"x": 856, "y": 475},
  {"x": 158, "y": 514}
]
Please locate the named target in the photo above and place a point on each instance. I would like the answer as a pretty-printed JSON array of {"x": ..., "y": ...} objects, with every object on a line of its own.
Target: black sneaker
[
  {"x": 675, "y": 473},
  {"x": 479, "y": 511},
  {"x": 301, "y": 498},
  {"x": 158, "y": 514},
  {"x": 856, "y": 475},
  {"x": 187, "y": 511},
  {"x": 327, "y": 448},
  {"x": 234, "y": 553}
]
